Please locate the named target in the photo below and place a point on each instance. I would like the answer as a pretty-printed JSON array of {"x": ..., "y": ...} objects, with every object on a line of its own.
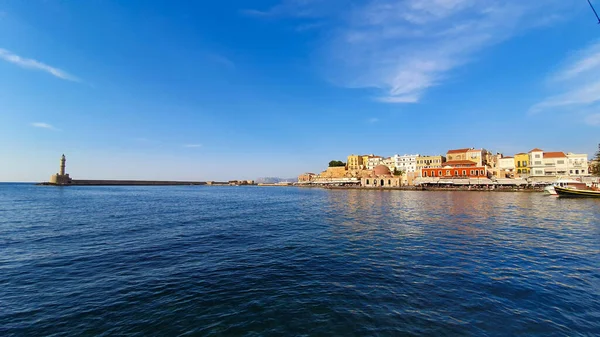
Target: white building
[
  {"x": 390, "y": 163},
  {"x": 406, "y": 163},
  {"x": 577, "y": 164},
  {"x": 557, "y": 163},
  {"x": 373, "y": 161},
  {"x": 506, "y": 166}
]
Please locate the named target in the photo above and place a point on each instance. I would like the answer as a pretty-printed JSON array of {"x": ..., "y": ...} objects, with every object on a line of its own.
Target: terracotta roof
[
  {"x": 536, "y": 150},
  {"x": 554, "y": 155},
  {"x": 507, "y": 158},
  {"x": 458, "y": 151},
  {"x": 459, "y": 162}
]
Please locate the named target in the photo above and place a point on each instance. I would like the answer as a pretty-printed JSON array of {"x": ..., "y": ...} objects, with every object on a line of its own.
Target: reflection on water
[{"x": 288, "y": 261}]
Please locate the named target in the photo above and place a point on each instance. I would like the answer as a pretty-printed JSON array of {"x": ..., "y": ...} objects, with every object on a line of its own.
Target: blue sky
[{"x": 242, "y": 89}]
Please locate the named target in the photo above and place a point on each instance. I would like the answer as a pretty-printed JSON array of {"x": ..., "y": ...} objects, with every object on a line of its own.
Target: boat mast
[{"x": 593, "y": 9}]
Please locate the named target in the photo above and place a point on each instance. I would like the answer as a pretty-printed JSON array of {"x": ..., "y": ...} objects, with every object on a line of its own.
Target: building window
[
  {"x": 482, "y": 172},
  {"x": 576, "y": 171},
  {"x": 464, "y": 172},
  {"x": 560, "y": 162},
  {"x": 519, "y": 171},
  {"x": 367, "y": 181},
  {"x": 537, "y": 156},
  {"x": 389, "y": 182},
  {"x": 455, "y": 172},
  {"x": 447, "y": 172},
  {"x": 440, "y": 173}
]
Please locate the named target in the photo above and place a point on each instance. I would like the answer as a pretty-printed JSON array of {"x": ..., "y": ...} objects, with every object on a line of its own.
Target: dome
[{"x": 382, "y": 170}]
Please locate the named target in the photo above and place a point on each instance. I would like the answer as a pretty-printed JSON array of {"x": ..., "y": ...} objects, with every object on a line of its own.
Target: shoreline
[{"x": 427, "y": 189}]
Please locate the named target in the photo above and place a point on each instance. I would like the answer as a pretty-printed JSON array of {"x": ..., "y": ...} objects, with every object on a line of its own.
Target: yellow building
[
  {"x": 429, "y": 162},
  {"x": 522, "y": 165},
  {"x": 354, "y": 162}
]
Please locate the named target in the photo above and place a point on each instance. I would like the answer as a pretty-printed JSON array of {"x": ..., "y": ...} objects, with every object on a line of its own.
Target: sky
[{"x": 232, "y": 89}]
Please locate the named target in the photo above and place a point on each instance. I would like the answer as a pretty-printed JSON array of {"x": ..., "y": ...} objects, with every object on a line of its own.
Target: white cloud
[
  {"x": 222, "y": 60},
  {"x": 36, "y": 65},
  {"x": 593, "y": 119},
  {"x": 192, "y": 146},
  {"x": 373, "y": 120},
  {"x": 404, "y": 47},
  {"x": 576, "y": 86},
  {"x": 44, "y": 126}
]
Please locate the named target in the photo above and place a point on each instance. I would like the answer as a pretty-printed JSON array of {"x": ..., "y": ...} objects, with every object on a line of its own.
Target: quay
[
  {"x": 126, "y": 183},
  {"x": 63, "y": 179}
]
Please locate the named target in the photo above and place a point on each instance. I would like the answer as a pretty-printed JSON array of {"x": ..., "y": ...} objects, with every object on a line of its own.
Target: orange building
[{"x": 457, "y": 169}]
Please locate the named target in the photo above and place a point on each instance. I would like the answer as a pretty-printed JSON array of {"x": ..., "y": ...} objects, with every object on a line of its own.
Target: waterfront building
[
  {"x": 354, "y": 162},
  {"x": 522, "y": 165},
  {"x": 390, "y": 163},
  {"x": 61, "y": 178},
  {"x": 381, "y": 176},
  {"x": 547, "y": 164},
  {"x": 506, "y": 167},
  {"x": 428, "y": 162},
  {"x": 365, "y": 160},
  {"x": 374, "y": 161},
  {"x": 479, "y": 156},
  {"x": 577, "y": 164},
  {"x": 406, "y": 163},
  {"x": 457, "y": 169}
]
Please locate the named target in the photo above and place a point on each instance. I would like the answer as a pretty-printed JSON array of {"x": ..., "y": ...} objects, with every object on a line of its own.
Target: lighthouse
[
  {"x": 61, "y": 178},
  {"x": 63, "y": 161}
]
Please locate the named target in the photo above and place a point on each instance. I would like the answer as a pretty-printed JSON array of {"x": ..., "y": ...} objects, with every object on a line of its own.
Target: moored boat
[
  {"x": 566, "y": 183},
  {"x": 578, "y": 193}
]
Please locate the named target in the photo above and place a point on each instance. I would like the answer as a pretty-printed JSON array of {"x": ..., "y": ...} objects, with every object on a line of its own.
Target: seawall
[{"x": 131, "y": 183}]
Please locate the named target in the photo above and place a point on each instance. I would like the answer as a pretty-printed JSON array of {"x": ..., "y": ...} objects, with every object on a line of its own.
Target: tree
[
  {"x": 398, "y": 172},
  {"x": 595, "y": 166},
  {"x": 336, "y": 163}
]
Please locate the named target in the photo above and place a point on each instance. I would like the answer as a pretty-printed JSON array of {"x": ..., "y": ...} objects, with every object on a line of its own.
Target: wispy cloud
[
  {"x": 402, "y": 48},
  {"x": 148, "y": 141},
  {"x": 593, "y": 119},
  {"x": 576, "y": 86},
  {"x": 295, "y": 8},
  {"x": 44, "y": 126},
  {"x": 372, "y": 120},
  {"x": 222, "y": 60},
  {"x": 35, "y": 65},
  {"x": 192, "y": 146}
]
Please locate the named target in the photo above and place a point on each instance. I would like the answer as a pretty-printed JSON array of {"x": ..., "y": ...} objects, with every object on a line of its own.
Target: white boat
[{"x": 564, "y": 183}]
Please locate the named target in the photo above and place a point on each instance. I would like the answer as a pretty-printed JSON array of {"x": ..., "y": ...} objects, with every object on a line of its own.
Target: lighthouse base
[{"x": 60, "y": 179}]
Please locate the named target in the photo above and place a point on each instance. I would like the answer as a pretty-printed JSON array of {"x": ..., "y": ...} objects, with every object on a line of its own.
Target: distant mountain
[{"x": 274, "y": 180}]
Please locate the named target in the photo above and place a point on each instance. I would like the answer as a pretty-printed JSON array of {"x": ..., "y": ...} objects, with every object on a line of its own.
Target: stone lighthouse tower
[
  {"x": 61, "y": 178},
  {"x": 63, "y": 161}
]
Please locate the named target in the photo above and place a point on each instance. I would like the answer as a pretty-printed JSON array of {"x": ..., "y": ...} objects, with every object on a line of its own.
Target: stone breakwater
[{"x": 134, "y": 183}]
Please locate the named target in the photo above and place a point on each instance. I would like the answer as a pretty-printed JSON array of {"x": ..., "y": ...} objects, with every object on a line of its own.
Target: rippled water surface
[{"x": 212, "y": 261}]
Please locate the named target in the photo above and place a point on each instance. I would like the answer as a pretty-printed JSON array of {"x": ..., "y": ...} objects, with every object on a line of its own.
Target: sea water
[{"x": 260, "y": 261}]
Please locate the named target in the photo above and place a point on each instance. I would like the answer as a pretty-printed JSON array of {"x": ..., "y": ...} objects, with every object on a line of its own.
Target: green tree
[
  {"x": 596, "y": 164},
  {"x": 398, "y": 172},
  {"x": 336, "y": 163}
]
